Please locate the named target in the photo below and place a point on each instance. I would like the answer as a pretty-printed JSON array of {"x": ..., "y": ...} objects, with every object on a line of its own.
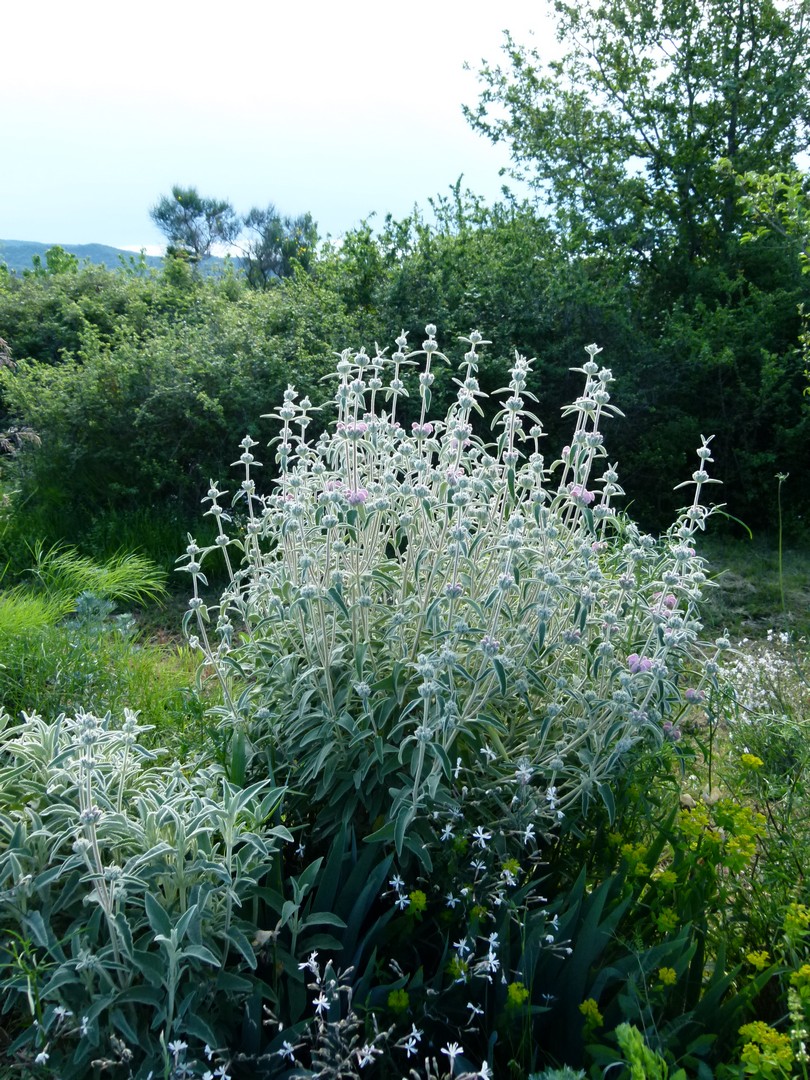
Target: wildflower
[
  {"x": 398, "y": 1000},
  {"x": 396, "y": 882},
  {"x": 759, "y": 960},
  {"x": 452, "y": 901},
  {"x": 638, "y": 663},
  {"x": 480, "y": 837},
  {"x": 590, "y": 1010},
  {"x": 528, "y": 834},
  {"x": 452, "y": 1050},
  {"x": 524, "y": 773},
  {"x": 484, "y": 1072},
  {"x": 766, "y": 1050},
  {"x": 418, "y": 900},
  {"x": 668, "y": 976},
  {"x": 287, "y": 1051},
  {"x": 667, "y": 920},
  {"x": 475, "y": 1010},
  {"x": 412, "y": 1040},
  {"x": 322, "y": 1003},
  {"x": 402, "y": 901},
  {"x": 41, "y": 1057},
  {"x": 516, "y": 995},
  {"x": 447, "y": 832},
  {"x": 581, "y": 495},
  {"x": 311, "y": 964},
  {"x": 751, "y": 761},
  {"x": 365, "y": 1055},
  {"x": 489, "y": 646}
]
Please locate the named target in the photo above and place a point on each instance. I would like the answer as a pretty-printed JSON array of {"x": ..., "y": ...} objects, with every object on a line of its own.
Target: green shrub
[
  {"x": 122, "y": 886},
  {"x": 453, "y": 654}
]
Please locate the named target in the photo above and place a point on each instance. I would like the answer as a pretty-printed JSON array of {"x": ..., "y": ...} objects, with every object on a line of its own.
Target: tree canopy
[
  {"x": 276, "y": 243},
  {"x": 623, "y": 132},
  {"x": 192, "y": 224}
]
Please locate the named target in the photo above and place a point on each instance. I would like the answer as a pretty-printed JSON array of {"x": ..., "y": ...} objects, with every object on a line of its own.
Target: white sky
[{"x": 341, "y": 110}]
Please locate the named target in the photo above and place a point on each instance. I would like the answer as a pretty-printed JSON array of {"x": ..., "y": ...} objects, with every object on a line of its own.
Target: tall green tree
[
  {"x": 192, "y": 223},
  {"x": 276, "y": 243},
  {"x": 622, "y": 133}
]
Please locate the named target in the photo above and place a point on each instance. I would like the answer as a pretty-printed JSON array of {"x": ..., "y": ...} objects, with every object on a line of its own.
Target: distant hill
[{"x": 17, "y": 255}]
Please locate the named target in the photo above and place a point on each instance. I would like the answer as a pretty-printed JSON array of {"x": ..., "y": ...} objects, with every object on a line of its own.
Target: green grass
[{"x": 747, "y": 599}]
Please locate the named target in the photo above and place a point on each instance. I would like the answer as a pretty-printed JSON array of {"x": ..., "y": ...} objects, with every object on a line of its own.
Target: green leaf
[
  {"x": 35, "y": 926},
  {"x": 338, "y": 601},
  {"x": 242, "y": 945},
  {"x": 202, "y": 953},
  {"x": 404, "y": 818},
  {"x": 158, "y": 919},
  {"x": 150, "y": 965},
  {"x": 500, "y": 671},
  {"x": 323, "y": 918}
]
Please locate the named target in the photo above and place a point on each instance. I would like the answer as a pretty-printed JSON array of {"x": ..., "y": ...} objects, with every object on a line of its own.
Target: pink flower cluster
[
  {"x": 581, "y": 495},
  {"x": 638, "y": 663}
]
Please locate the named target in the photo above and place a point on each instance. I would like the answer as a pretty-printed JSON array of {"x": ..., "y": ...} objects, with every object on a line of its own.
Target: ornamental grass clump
[{"x": 427, "y": 625}]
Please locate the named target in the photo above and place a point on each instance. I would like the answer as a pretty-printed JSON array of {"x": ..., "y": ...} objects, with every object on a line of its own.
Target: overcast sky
[{"x": 339, "y": 109}]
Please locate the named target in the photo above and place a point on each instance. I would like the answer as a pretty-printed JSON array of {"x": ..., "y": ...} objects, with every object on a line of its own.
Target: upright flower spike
[{"x": 428, "y": 590}]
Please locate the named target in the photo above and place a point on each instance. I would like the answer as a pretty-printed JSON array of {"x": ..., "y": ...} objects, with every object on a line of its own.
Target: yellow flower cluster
[
  {"x": 797, "y": 922},
  {"x": 418, "y": 901},
  {"x": 590, "y": 1010},
  {"x": 767, "y": 1052},
  {"x": 751, "y": 761},
  {"x": 516, "y": 995},
  {"x": 759, "y": 960}
]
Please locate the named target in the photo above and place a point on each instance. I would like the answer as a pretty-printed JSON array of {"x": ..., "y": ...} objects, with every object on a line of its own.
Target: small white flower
[
  {"x": 365, "y": 1055},
  {"x": 480, "y": 837},
  {"x": 475, "y": 1010},
  {"x": 321, "y": 1003},
  {"x": 397, "y": 883},
  {"x": 452, "y": 1050},
  {"x": 287, "y": 1051},
  {"x": 484, "y": 1072},
  {"x": 310, "y": 964},
  {"x": 447, "y": 832},
  {"x": 523, "y": 774},
  {"x": 452, "y": 900},
  {"x": 41, "y": 1057}
]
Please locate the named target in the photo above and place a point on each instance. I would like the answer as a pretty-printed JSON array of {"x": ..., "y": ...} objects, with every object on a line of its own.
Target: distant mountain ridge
[{"x": 18, "y": 255}]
